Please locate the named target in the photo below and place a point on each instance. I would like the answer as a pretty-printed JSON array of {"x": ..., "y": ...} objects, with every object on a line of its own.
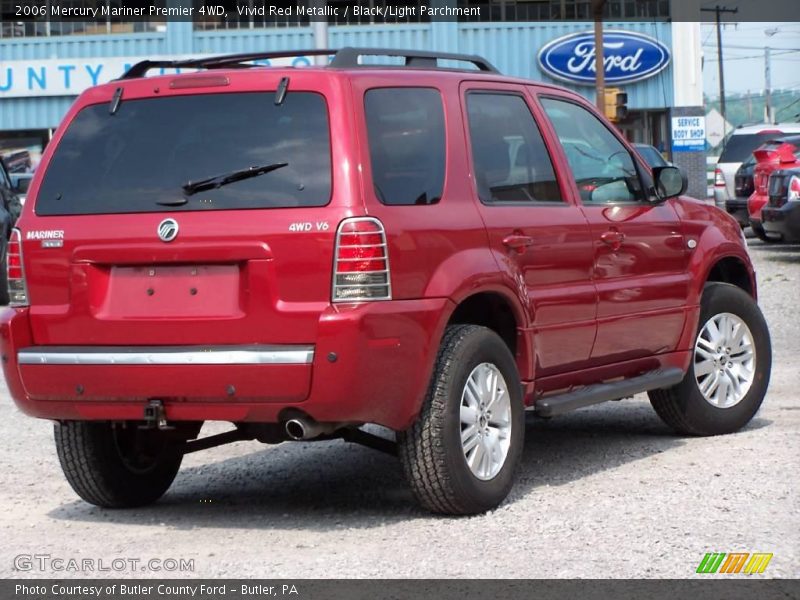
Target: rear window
[
  {"x": 739, "y": 147},
  {"x": 405, "y": 127},
  {"x": 140, "y": 158}
]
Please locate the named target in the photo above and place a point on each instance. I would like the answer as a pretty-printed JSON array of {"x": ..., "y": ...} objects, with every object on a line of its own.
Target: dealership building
[{"x": 653, "y": 57}]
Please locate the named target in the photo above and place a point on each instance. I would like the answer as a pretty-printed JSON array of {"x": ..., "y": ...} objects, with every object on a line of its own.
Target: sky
[{"x": 743, "y": 51}]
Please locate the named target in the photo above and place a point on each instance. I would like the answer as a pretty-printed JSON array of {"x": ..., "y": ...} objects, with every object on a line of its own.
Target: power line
[
  {"x": 745, "y": 47},
  {"x": 774, "y": 54},
  {"x": 787, "y": 106},
  {"x": 779, "y": 50}
]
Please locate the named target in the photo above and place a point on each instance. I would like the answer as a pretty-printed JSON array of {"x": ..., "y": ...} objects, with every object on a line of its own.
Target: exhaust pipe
[{"x": 304, "y": 428}]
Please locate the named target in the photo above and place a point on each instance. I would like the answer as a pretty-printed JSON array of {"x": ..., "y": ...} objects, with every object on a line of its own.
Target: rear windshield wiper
[{"x": 192, "y": 187}]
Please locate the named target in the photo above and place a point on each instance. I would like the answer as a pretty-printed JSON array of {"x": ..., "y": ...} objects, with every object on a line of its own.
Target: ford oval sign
[{"x": 628, "y": 57}]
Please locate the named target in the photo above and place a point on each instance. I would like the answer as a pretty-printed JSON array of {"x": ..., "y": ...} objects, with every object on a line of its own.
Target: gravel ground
[{"x": 607, "y": 491}]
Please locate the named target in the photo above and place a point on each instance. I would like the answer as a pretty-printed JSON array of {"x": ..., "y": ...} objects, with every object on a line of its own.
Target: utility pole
[
  {"x": 749, "y": 107},
  {"x": 719, "y": 10},
  {"x": 769, "y": 117},
  {"x": 319, "y": 29},
  {"x": 599, "y": 54}
]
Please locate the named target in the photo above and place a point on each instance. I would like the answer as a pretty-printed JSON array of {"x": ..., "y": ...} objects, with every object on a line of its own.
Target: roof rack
[
  {"x": 344, "y": 58},
  {"x": 348, "y": 58}
]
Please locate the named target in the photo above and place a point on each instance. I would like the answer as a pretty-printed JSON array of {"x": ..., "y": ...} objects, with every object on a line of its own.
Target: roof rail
[
  {"x": 348, "y": 58},
  {"x": 344, "y": 58}
]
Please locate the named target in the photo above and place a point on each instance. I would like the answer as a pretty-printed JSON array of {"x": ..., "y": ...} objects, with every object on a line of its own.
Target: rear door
[
  {"x": 125, "y": 245},
  {"x": 640, "y": 256},
  {"x": 541, "y": 235}
]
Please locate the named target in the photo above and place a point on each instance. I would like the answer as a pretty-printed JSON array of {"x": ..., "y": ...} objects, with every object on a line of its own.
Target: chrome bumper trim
[{"x": 166, "y": 355}]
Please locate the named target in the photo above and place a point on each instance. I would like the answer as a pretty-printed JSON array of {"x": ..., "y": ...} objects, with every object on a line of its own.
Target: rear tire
[
  {"x": 460, "y": 455},
  {"x": 116, "y": 467},
  {"x": 692, "y": 407},
  {"x": 761, "y": 234}
]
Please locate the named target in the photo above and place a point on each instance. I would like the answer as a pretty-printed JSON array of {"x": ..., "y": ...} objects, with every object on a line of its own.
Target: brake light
[
  {"x": 188, "y": 81},
  {"x": 361, "y": 262},
  {"x": 17, "y": 290},
  {"x": 793, "y": 193},
  {"x": 719, "y": 180},
  {"x": 762, "y": 181}
]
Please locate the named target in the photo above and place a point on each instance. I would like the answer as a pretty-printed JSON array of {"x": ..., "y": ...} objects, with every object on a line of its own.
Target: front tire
[
  {"x": 115, "y": 466},
  {"x": 730, "y": 369},
  {"x": 460, "y": 455}
]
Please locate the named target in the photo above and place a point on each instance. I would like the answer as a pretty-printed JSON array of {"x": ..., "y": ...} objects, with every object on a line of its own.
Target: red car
[
  {"x": 303, "y": 251},
  {"x": 780, "y": 153}
]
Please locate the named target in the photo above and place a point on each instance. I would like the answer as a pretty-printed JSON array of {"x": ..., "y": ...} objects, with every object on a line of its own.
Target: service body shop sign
[
  {"x": 628, "y": 56},
  {"x": 71, "y": 76},
  {"x": 688, "y": 134}
]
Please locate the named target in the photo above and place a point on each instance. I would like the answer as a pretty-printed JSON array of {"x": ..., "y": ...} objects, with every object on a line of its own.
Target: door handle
[
  {"x": 518, "y": 242},
  {"x": 613, "y": 238}
]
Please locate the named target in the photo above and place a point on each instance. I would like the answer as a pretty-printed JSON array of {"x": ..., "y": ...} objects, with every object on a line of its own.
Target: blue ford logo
[{"x": 629, "y": 57}]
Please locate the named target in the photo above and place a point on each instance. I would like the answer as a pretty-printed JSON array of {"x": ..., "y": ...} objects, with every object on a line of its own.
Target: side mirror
[
  {"x": 669, "y": 182},
  {"x": 22, "y": 186}
]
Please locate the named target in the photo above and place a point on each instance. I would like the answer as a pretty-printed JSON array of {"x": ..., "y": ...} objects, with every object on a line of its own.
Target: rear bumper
[
  {"x": 721, "y": 196},
  {"x": 784, "y": 220},
  {"x": 157, "y": 355},
  {"x": 370, "y": 363},
  {"x": 737, "y": 208},
  {"x": 755, "y": 204}
]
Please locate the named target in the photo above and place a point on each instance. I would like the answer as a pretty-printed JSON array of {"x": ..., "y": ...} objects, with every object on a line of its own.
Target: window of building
[
  {"x": 253, "y": 14},
  {"x": 249, "y": 14},
  {"x": 54, "y": 25},
  {"x": 556, "y": 10},
  {"x": 602, "y": 167},
  {"x": 510, "y": 159},
  {"x": 405, "y": 127}
]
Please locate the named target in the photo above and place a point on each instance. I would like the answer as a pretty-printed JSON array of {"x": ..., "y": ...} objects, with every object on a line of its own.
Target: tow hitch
[{"x": 155, "y": 417}]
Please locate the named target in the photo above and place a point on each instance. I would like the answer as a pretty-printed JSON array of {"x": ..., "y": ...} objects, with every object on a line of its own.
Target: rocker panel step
[{"x": 552, "y": 406}]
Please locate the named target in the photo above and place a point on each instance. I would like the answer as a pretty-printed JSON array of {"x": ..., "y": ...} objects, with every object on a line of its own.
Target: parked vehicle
[
  {"x": 16, "y": 160},
  {"x": 651, "y": 155},
  {"x": 780, "y": 153},
  {"x": 20, "y": 182},
  {"x": 414, "y": 247},
  {"x": 10, "y": 208},
  {"x": 781, "y": 215},
  {"x": 744, "y": 186},
  {"x": 738, "y": 147}
]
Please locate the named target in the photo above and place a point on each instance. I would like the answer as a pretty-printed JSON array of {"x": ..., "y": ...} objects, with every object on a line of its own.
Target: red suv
[
  {"x": 780, "y": 153},
  {"x": 304, "y": 251}
]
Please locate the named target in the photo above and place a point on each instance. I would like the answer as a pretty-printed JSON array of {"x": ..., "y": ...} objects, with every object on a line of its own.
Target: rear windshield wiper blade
[{"x": 192, "y": 187}]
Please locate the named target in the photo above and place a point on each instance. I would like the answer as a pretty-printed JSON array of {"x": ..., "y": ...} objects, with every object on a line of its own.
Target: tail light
[
  {"x": 719, "y": 180},
  {"x": 361, "y": 263},
  {"x": 762, "y": 180},
  {"x": 783, "y": 188},
  {"x": 793, "y": 193},
  {"x": 17, "y": 290}
]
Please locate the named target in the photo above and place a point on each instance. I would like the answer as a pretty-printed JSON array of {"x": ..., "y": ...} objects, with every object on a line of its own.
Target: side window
[
  {"x": 603, "y": 169},
  {"x": 510, "y": 159},
  {"x": 405, "y": 127}
]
